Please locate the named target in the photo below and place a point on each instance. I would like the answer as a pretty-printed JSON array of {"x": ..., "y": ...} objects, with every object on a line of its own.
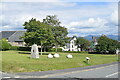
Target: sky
[{"x": 80, "y": 18}]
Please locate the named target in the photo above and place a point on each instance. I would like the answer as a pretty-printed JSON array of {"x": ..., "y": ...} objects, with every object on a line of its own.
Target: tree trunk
[
  {"x": 44, "y": 49},
  {"x": 41, "y": 48},
  {"x": 81, "y": 48},
  {"x": 56, "y": 48}
]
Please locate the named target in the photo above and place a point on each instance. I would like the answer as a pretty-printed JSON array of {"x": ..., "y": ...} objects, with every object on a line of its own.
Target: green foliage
[
  {"x": 53, "y": 50},
  {"x": 37, "y": 32},
  {"x": 82, "y": 43},
  {"x": 106, "y": 44},
  {"x": 59, "y": 32},
  {"x": 48, "y": 33},
  {"x": 4, "y": 45},
  {"x": 14, "y": 48}
]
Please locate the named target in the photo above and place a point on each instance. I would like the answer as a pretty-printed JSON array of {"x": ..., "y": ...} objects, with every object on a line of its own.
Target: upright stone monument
[{"x": 34, "y": 51}]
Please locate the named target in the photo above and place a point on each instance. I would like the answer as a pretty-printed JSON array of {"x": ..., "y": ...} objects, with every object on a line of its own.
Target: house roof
[
  {"x": 16, "y": 36},
  {"x": 12, "y": 36},
  {"x": 70, "y": 38},
  {"x": 6, "y": 34}
]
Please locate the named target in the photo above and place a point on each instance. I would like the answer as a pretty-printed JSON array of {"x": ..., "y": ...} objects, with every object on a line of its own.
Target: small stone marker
[
  {"x": 56, "y": 55},
  {"x": 87, "y": 58},
  {"x": 69, "y": 56},
  {"x": 50, "y": 56},
  {"x": 34, "y": 51}
]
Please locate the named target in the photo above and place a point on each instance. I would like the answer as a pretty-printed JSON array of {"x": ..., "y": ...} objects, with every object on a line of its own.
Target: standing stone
[
  {"x": 50, "y": 56},
  {"x": 34, "y": 51}
]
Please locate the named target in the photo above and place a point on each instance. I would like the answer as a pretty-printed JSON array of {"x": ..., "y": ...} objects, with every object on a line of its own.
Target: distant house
[
  {"x": 71, "y": 46},
  {"x": 13, "y": 37}
]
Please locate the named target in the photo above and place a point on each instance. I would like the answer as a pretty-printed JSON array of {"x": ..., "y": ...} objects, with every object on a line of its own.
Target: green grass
[{"x": 18, "y": 61}]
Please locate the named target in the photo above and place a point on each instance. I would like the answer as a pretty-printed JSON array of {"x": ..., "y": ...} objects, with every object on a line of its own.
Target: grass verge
[{"x": 20, "y": 61}]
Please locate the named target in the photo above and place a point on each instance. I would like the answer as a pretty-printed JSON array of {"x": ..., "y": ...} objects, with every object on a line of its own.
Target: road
[{"x": 99, "y": 71}]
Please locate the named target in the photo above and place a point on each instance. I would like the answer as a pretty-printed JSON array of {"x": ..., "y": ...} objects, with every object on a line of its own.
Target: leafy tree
[
  {"x": 4, "y": 45},
  {"x": 59, "y": 32},
  {"x": 106, "y": 44},
  {"x": 82, "y": 43},
  {"x": 37, "y": 33}
]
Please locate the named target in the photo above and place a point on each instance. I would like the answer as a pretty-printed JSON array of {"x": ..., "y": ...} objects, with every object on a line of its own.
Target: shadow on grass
[
  {"x": 32, "y": 58},
  {"x": 86, "y": 63},
  {"x": 30, "y": 53}
]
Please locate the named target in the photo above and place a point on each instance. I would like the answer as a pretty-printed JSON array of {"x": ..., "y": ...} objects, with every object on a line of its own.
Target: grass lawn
[{"x": 20, "y": 61}]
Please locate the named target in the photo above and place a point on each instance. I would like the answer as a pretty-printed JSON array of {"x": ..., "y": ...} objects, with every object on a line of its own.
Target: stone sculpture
[
  {"x": 87, "y": 59},
  {"x": 50, "y": 56},
  {"x": 56, "y": 55},
  {"x": 69, "y": 56},
  {"x": 34, "y": 51}
]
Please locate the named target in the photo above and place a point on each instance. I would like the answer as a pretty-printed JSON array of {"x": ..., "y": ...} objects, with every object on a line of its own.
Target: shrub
[{"x": 4, "y": 45}]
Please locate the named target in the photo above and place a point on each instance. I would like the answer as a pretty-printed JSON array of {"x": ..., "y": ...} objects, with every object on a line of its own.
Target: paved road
[{"x": 99, "y": 71}]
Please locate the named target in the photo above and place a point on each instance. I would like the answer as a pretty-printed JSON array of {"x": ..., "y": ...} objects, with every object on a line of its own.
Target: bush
[
  {"x": 54, "y": 49},
  {"x": 4, "y": 45}
]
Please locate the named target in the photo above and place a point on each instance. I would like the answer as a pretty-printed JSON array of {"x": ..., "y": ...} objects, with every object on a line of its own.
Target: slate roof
[
  {"x": 6, "y": 34},
  {"x": 16, "y": 36},
  {"x": 12, "y": 36}
]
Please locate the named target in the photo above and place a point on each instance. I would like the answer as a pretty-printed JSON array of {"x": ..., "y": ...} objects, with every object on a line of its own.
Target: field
[{"x": 20, "y": 61}]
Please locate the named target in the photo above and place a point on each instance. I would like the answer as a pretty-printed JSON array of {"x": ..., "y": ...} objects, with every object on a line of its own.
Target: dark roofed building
[
  {"x": 16, "y": 36},
  {"x": 13, "y": 37},
  {"x": 6, "y": 34}
]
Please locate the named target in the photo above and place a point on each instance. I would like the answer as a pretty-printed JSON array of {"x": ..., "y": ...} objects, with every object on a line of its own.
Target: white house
[{"x": 71, "y": 46}]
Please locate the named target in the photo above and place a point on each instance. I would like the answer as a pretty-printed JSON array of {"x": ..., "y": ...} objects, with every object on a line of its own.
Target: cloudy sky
[{"x": 81, "y": 18}]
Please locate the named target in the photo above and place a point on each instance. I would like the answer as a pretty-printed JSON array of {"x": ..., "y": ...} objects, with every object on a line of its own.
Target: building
[
  {"x": 13, "y": 37},
  {"x": 71, "y": 46}
]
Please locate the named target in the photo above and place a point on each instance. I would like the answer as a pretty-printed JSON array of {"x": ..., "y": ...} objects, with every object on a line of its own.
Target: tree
[
  {"x": 37, "y": 33},
  {"x": 82, "y": 43},
  {"x": 59, "y": 32},
  {"x": 106, "y": 45}
]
